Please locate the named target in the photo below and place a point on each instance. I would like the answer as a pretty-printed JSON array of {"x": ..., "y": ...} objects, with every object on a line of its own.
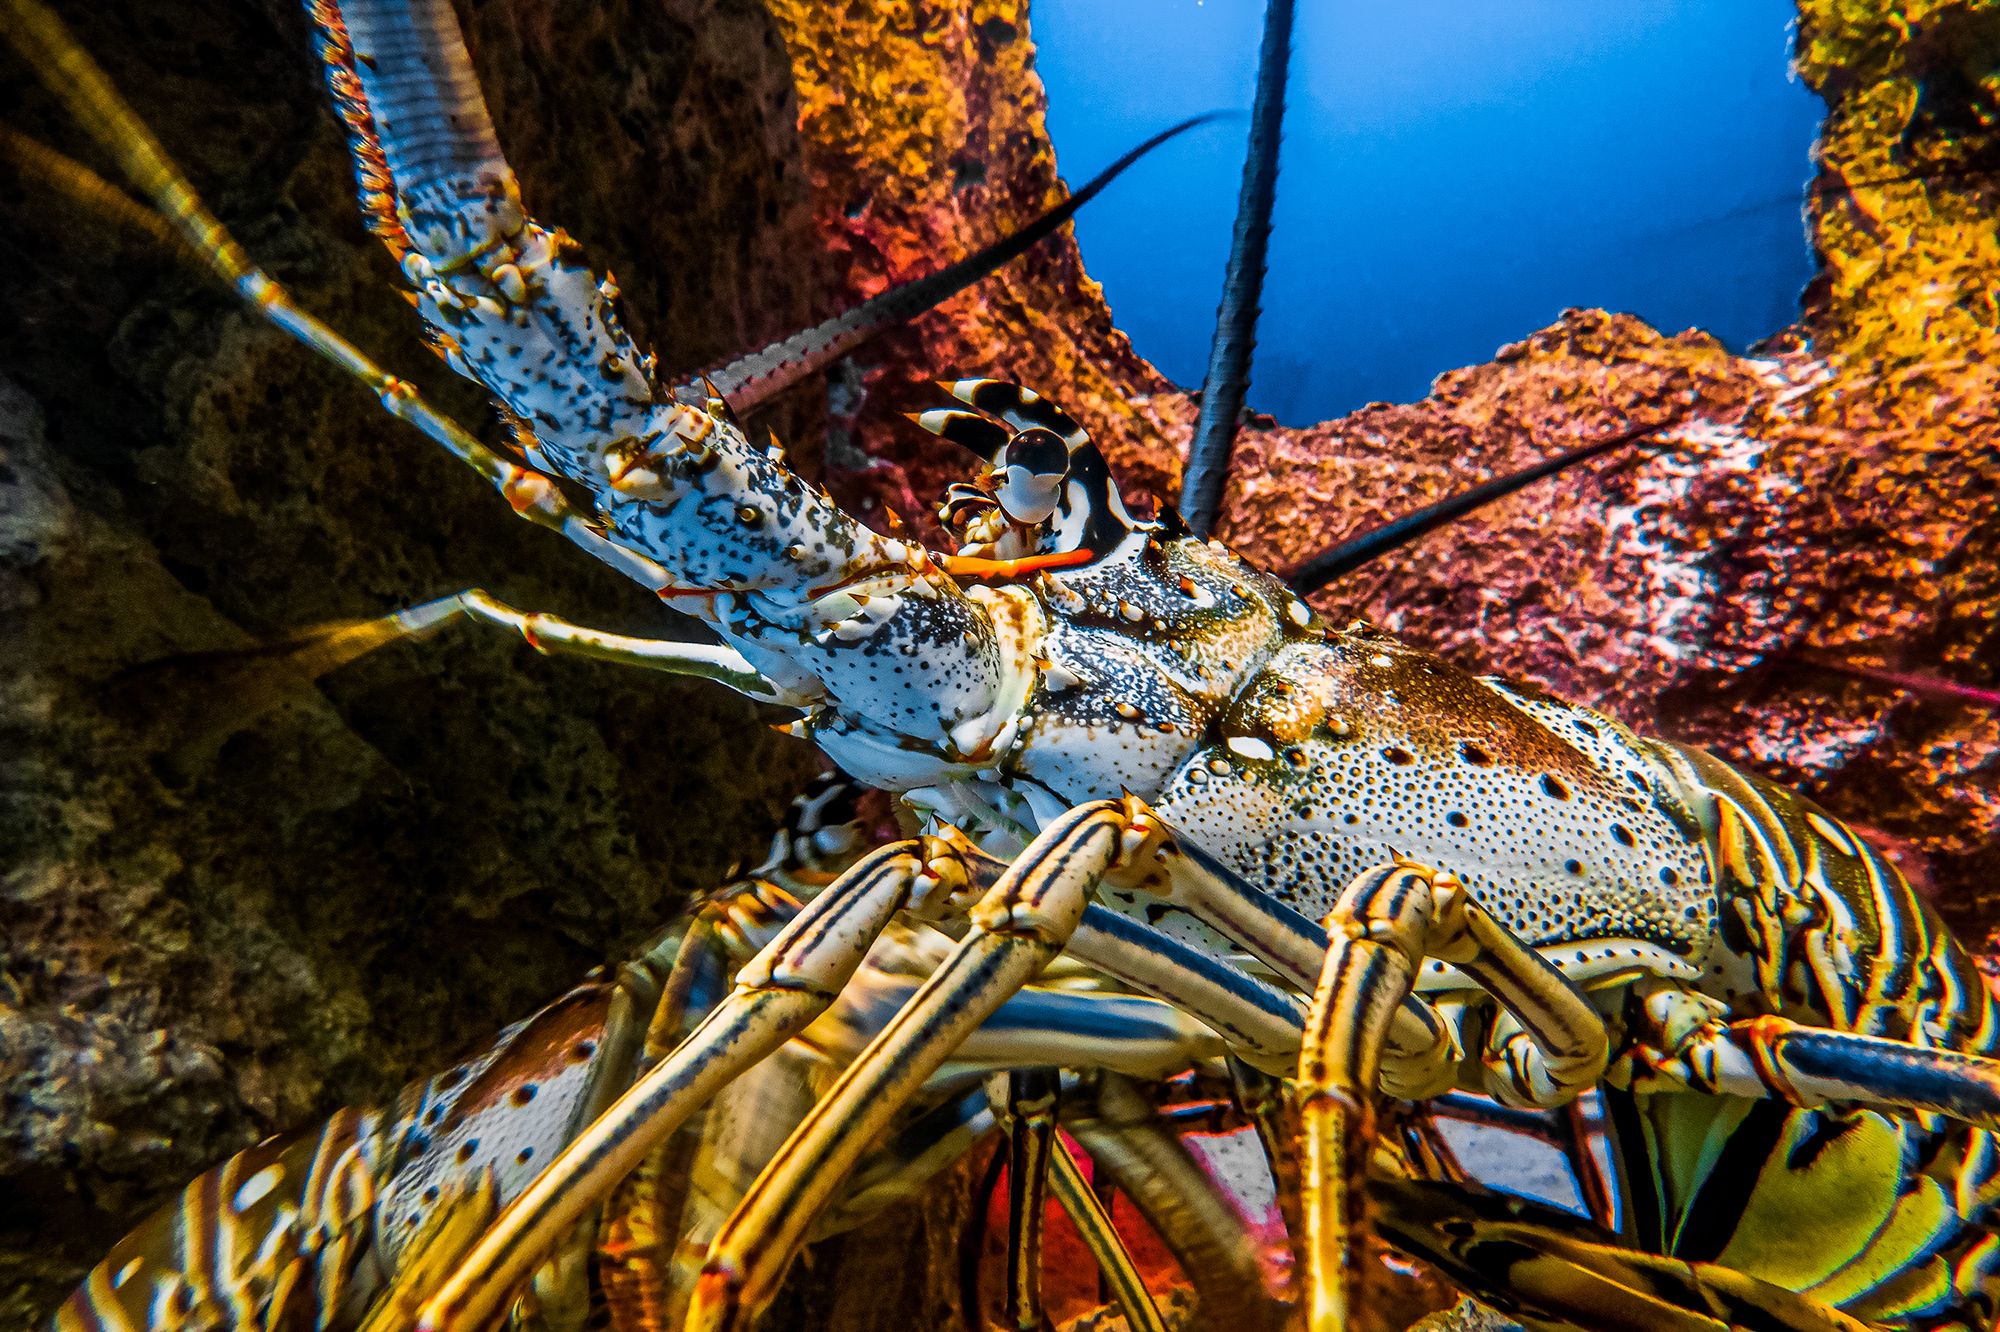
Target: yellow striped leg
[
  {"x": 1375, "y": 945},
  {"x": 1261, "y": 1023},
  {"x": 1200, "y": 1226},
  {"x": 778, "y": 993},
  {"x": 1384, "y": 925},
  {"x": 1017, "y": 928},
  {"x": 1031, "y": 1138},
  {"x": 461, "y": 1215},
  {"x": 1086, "y": 1210},
  {"x": 1812, "y": 1066},
  {"x": 1552, "y": 1269}
]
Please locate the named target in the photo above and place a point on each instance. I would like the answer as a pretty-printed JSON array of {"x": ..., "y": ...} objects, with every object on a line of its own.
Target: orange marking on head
[
  {"x": 524, "y": 489},
  {"x": 972, "y": 566}
]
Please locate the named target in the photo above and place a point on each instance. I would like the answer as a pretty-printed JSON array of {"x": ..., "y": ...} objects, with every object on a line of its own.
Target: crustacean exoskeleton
[{"x": 1340, "y": 859}]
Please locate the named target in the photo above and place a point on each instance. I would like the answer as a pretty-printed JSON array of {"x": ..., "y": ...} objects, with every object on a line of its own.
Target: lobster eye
[{"x": 1038, "y": 450}]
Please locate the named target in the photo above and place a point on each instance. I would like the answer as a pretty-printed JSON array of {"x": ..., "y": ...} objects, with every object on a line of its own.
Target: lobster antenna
[
  {"x": 1228, "y": 376},
  {"x": 1933, "y": 687},
  {"x": 77, "y": 81},
  {"x": 1356, "y": 551},
  {"x": 748, "y": 381},
  {"x": 37, "y": 161}
]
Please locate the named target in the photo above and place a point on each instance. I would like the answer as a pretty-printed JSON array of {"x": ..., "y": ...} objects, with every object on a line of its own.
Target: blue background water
[{"x": 1454, "y": 174}]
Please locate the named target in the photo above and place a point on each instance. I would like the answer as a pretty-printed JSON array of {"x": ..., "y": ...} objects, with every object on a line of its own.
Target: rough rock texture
[
  {"x": 1821, "y": 513},
  {"x": 218, "y": 918},
  {"x": 214, "y": 924},
  {"x": 947, "y": 96}
]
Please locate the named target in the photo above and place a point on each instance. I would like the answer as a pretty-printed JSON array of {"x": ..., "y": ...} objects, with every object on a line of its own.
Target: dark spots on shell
[
  {"x": 1456, "y": 818},
  {"x": 583, "y": 1052},
  {"x": 1670, "y": 876},
  {"x": 1475, "y": 754},
  {"x": 521, "y": 1095},
  {"x": 1637, "y": 778},
  {"x": 750, "y": 516},
  {"x": 431, "y": 1194},
  {"x": 466, "y": 1150},
  {"x": 1399, "y": 756},
  {"x": 451, "y": 1077},
  {"x": 1691, "y": 912},
  {"x": 525, "y": 1155},
  {"x": 1623, "y": 835},
  {"x": 1573, "y": 866},
  {"x": 1587, "y": 728},
  {"x": 1553, "y": 787}
]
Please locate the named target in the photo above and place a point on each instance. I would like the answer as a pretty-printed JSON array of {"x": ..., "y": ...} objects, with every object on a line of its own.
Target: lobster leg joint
[{"x": 1550, "y": 1045}]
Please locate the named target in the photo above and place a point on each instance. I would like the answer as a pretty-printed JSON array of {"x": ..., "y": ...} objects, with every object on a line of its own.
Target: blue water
[{"x": 1454, "y": 174}]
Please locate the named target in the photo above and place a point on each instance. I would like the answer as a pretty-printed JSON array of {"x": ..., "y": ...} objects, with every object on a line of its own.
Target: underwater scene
[{"x": 1173, "y": 665}]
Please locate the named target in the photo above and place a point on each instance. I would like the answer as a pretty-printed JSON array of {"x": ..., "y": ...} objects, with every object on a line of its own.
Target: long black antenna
[
  {"x": 1242, "y": 290},
  {"x": 748, "y": 380},
  {"x": 1356, "y": 551}
]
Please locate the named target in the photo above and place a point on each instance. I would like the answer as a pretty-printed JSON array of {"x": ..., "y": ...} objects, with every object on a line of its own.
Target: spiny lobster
[{"x": 1179, "y": 767}]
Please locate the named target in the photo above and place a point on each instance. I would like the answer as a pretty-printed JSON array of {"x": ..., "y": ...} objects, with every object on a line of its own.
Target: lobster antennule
[
  {"x": 76, "y": 80},
  {"x": 36, "y": 160}
]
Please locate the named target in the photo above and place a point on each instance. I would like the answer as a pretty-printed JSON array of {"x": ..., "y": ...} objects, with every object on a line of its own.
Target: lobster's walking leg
[
  {"x": 1420, "y": 1057},
  {"x": 1385, "y": 924},
  {"x": 1261, "y": 1024},
  {"x": 1031, "y": 1138},
  {"x": 1017, "y": 927},
  {"x": 1551, "y": 1268},
  {"x": 1086, "y": 1212},
  {"x": 462, "y": 1213},
  {"x": 1812, "y": 1066},
  {"x": 778, "y": 993},
  {"x": 1181, "y": 1201}
]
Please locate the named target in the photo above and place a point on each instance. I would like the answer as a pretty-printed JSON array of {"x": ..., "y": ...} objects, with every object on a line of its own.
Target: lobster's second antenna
[{"x": 1228, "y": 376}]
